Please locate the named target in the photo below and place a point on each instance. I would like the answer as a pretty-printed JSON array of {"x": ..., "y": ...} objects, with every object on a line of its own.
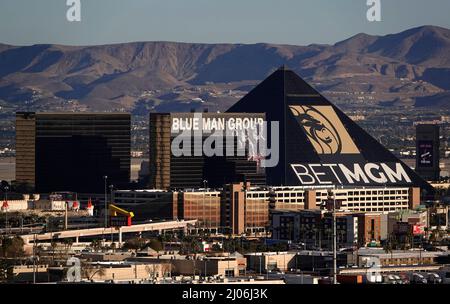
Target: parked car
[
  {"x": 405, "y": 278},
  {"x": 389, "y": 279},
  {"x": 434, "y": 278},
  {"x": 398, "y": 279},
  {"x": 418, "y": 278}
]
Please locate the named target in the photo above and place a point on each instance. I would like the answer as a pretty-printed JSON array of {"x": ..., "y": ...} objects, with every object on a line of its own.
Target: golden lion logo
[{"x": 324, "y": 129}]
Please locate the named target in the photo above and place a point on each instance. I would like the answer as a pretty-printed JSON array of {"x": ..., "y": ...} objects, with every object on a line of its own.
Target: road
[{"x": 154, "y": 226}]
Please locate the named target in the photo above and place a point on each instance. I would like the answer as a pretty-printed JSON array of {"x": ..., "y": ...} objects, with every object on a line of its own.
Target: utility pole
[
  {"x": 205, "y": 185},
  {"x": 6, "y": 209},
  {"x": 34, "y": 260},
  {"x": 106, "y": 201},
  {"x": 111, "y": 187},
  {"x": 228, "y": 263},
  {"x": 65, "y": 216},
  {"x": 260, "y": 264},
  {"x": 334, "y": 239}
]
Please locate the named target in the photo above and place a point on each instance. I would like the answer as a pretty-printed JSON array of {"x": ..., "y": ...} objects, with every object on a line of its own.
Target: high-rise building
[
  {"x": 72, "y": 151},
  {"x": 427, "y": 151},
  {"x": 191, "y": 166}
]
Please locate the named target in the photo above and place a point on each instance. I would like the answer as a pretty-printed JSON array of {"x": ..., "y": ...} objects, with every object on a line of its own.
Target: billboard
[
  {"x": 418, "y": 229},
  {"x": 319, "y": 143},
  {"x": 358, "y": 174},
  {"x": 425, "y": 153},
  {"x": 341, "y": 161}
]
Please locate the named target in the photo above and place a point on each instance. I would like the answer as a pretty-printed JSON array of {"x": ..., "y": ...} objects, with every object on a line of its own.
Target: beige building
[
  {"x": 227, "y": 267},
  {"x": 233, "y": 266},
  {"x": 25, "y": 273},
  {"x": 270, "y": 261},
  {"x": 374, "y": 199},
  {"x": 122, "y": 272},
  {"x": 398, "y": 257}
]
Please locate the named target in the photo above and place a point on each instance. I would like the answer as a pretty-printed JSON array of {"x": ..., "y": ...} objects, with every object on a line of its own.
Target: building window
[{"x": 229, "y": 273}]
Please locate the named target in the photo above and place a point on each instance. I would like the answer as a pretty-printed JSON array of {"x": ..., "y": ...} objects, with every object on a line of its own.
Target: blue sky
[{"x": 24, "y": 22}]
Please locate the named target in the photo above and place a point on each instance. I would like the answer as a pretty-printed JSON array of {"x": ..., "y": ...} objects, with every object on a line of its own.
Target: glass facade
[{"x": 73, "y": 151}]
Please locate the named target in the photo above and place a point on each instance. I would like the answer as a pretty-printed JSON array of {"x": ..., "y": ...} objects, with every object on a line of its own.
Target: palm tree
[
  {"x": 151, "y": 271},
  {"x": 53, "y": 246},
  {"x": 96, "y": 245},
  {"x": 89, "y": 272},
  {"x": 389, "y": 246}
]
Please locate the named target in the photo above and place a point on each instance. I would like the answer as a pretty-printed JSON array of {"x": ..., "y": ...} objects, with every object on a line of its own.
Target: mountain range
[{"x": 411, "y": 68}]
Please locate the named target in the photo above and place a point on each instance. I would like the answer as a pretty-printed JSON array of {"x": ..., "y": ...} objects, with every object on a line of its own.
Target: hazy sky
[{"x": 243, "y": 21}]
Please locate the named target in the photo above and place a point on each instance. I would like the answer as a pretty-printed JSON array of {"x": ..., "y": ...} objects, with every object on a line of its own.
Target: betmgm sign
[
  {"x": 341, "y": 161},
  {"x": 353, "y": 174}
]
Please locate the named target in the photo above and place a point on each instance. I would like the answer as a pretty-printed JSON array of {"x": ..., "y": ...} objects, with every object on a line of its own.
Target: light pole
[
  {"x": 111, "y": 187},
  {"x": 333, "y": 193},
  {"x": 260, "y": 264},
  {"x": 6, "y": 209},
  {"x": 205, "y": 185},
  {"x": 34, "y": 259},
  {"x": 106, "y": 201}
]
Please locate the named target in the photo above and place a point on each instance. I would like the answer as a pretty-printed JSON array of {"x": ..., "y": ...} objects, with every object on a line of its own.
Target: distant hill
[
  {"x": 441, "y": 100},
  {"x": 415, "y": 63}
]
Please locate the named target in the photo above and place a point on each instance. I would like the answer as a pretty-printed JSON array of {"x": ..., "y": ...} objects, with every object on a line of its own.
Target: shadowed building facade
[
  {"x": 194, "y": 168},
  {"x": 427, "y": 152},
  {"x": 72, "y": 151}
]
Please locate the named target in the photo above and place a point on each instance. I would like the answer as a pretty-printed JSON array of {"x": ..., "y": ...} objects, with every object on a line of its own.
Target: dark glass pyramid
[{"x": 319, "y": 144}]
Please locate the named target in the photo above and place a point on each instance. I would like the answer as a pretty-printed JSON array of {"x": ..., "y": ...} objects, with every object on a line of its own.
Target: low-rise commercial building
[
  {"x": 128, "y": 272},
  {"x": 314, "y": 228},
  {"x": 262, "y": 262},
  {"x": 229, "y": 210},
  {"x": 398, "y": 257},
  {"x": 242, "y": 209},
  {"x": 233, "y": 265}
]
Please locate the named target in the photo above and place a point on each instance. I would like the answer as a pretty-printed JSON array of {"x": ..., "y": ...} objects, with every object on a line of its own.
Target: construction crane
[{"x": 117, "y": 215}]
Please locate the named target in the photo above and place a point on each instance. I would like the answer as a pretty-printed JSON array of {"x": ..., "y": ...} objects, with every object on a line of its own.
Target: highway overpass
[
  {"x": 389, "y": 269},
  {"x": 154, "y": 226}
]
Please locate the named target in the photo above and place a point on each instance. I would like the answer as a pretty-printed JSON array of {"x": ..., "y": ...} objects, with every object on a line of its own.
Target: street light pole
[
  {"x": 111, "y": 187},
  {"x": 106, "y": 202},
  {"x": 6, "y": 210},
  {"x": 34, "y": 259},
  {"x": 205, "y": 185}
]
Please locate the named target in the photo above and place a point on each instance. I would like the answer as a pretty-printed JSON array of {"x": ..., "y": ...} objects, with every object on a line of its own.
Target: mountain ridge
[{"x": 117, "y": 75}]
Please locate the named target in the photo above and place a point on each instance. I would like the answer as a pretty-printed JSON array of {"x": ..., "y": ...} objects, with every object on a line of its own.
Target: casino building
[
  {"x": 319, "y": 144},
  {"x": 63, "y": 151},
  {"x": 321, "y": 151}
]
